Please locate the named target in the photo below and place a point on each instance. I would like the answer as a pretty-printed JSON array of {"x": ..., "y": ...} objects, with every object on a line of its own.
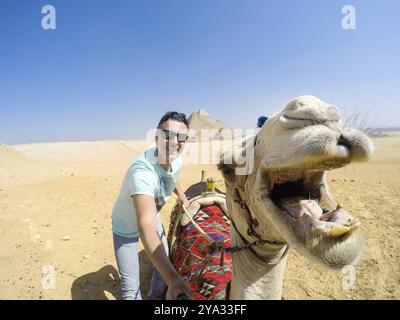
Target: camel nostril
[{"x": 343, "y": 141}]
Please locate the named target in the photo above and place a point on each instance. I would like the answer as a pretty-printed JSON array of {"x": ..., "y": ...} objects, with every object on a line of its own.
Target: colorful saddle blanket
[{"x": 203, "y": 263}]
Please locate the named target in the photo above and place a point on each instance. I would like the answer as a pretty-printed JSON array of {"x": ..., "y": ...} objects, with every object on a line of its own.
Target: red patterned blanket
[{"x": 205, "y": 266}]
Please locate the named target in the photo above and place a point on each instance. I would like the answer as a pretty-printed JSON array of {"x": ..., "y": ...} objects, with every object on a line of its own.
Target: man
[{"x": 148, "y": 184}]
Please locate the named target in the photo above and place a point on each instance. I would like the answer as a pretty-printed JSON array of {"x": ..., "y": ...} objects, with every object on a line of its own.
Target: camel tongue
[
  {"x": 333, "y": 223},
  {"x": 298, "y": 206}
]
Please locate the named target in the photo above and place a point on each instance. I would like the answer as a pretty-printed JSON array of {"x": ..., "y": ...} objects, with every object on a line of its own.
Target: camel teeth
[
  {"x": 273, "y": 179},
  {"x": 354, "y": 228},
  {"x": 337, "y": 231},
  {"x": 319, "y": 230},
  {"x": 306, "y": 177},
  {"x": 355, "y": 222},
  {"x": 271, "y": 184}
]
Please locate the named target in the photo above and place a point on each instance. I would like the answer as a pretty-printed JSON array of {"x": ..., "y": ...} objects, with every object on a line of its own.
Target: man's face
[{"x": 170, "y": 139}]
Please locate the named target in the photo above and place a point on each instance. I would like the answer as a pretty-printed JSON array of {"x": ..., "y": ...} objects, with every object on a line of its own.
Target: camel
[{"x": 284, "y": 201}]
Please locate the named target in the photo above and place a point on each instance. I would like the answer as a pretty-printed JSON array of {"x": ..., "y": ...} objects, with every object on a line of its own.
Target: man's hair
[{"x": 173, "y": 115}]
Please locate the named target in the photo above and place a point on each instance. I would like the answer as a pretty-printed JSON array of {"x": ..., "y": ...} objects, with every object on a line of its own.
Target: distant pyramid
[
  {"x": 203, "y": 112},
  {"x": 6, "y": 150},
  {"x": 9, "y": 157},
  {"x": 201, "y": 119}
]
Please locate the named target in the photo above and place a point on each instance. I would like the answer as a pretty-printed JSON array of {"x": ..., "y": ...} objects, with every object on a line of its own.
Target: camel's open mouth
[{"x": 298, "y": 193}]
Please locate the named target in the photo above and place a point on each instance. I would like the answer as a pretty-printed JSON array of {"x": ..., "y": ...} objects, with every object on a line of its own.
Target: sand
[{"x": 55, "y": 218}]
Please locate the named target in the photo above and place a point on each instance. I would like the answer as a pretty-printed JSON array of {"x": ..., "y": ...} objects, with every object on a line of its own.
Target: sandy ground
[{"x": 55, "y": 207}]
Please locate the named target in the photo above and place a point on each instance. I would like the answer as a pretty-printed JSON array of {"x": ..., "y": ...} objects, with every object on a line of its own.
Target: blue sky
[{"x": 112, "y": 68}]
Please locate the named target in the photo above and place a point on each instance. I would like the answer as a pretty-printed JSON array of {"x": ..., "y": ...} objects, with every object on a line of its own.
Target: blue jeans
[{"x": 126, "y": 253}]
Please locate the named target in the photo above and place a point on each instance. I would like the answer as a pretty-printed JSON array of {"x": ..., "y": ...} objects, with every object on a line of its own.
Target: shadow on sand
[{"x": 92, "y": 286}]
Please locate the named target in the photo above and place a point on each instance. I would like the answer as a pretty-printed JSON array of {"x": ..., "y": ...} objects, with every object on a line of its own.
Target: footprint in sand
[
  {"x": 48, "y": 245},
  {"x": 35, "y": 236},
  {"x": 27, "y": 220}
]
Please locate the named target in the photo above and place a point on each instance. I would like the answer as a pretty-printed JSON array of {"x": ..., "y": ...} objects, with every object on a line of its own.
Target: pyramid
[
  {"x": 202, "y": 119},
  {"x": 7, "y": 151},
  {"x": 9, "y": 157},
  {"x": 203, "y": 113}
]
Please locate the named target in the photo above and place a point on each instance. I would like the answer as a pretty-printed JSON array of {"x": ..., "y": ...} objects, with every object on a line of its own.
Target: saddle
[{"x": 198, "y": 238}]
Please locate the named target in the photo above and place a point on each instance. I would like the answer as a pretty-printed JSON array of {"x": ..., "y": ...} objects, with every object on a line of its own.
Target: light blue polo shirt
[{"x": 144, "y": 176}]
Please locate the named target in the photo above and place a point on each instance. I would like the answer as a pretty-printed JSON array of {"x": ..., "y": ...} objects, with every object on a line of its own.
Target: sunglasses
[{"x": 168, "y": 135}]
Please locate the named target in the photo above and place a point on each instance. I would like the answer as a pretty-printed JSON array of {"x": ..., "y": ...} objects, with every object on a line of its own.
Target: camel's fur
[{"x": 304, "y": 134}]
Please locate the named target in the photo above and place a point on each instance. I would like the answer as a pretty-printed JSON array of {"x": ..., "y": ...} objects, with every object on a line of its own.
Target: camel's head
[{"x": 288, "y": 188}]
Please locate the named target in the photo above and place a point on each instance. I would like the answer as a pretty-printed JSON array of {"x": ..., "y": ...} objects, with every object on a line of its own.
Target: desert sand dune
[
  {"x": 17, "y": 168},
  {"x": 7, "y": 151},
  {"x": 73, "y": 150},
  {"x": 56, "y": 212}
]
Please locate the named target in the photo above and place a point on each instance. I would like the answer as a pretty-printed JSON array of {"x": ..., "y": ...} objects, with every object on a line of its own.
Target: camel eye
[{"x": 292, "y": 123}]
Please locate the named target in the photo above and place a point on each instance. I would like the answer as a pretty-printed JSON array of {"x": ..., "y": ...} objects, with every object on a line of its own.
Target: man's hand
[
  {"x": 178, "y": 288},
  {"x": 181, "y": 195},
  {"x": 184, "y": 201}
]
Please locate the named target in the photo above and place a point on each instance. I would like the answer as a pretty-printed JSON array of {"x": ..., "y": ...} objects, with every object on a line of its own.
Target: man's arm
[
  {"x": 146, "y": 213},
  {"x": 181, "y": 195}
]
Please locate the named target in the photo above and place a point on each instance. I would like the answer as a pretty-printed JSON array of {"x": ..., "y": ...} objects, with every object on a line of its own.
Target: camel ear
[
  {"x": 238, "y": 161},
  {"x": 228, "y": 172},
  {"x": 240, "y": 156},
  {"x": 227, "y": 165}
]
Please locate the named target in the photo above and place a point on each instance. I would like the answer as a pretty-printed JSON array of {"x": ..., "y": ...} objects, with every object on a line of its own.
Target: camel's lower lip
[
  {"x": 319, "y": 221},
  {"x": 300, "y": 199}
]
